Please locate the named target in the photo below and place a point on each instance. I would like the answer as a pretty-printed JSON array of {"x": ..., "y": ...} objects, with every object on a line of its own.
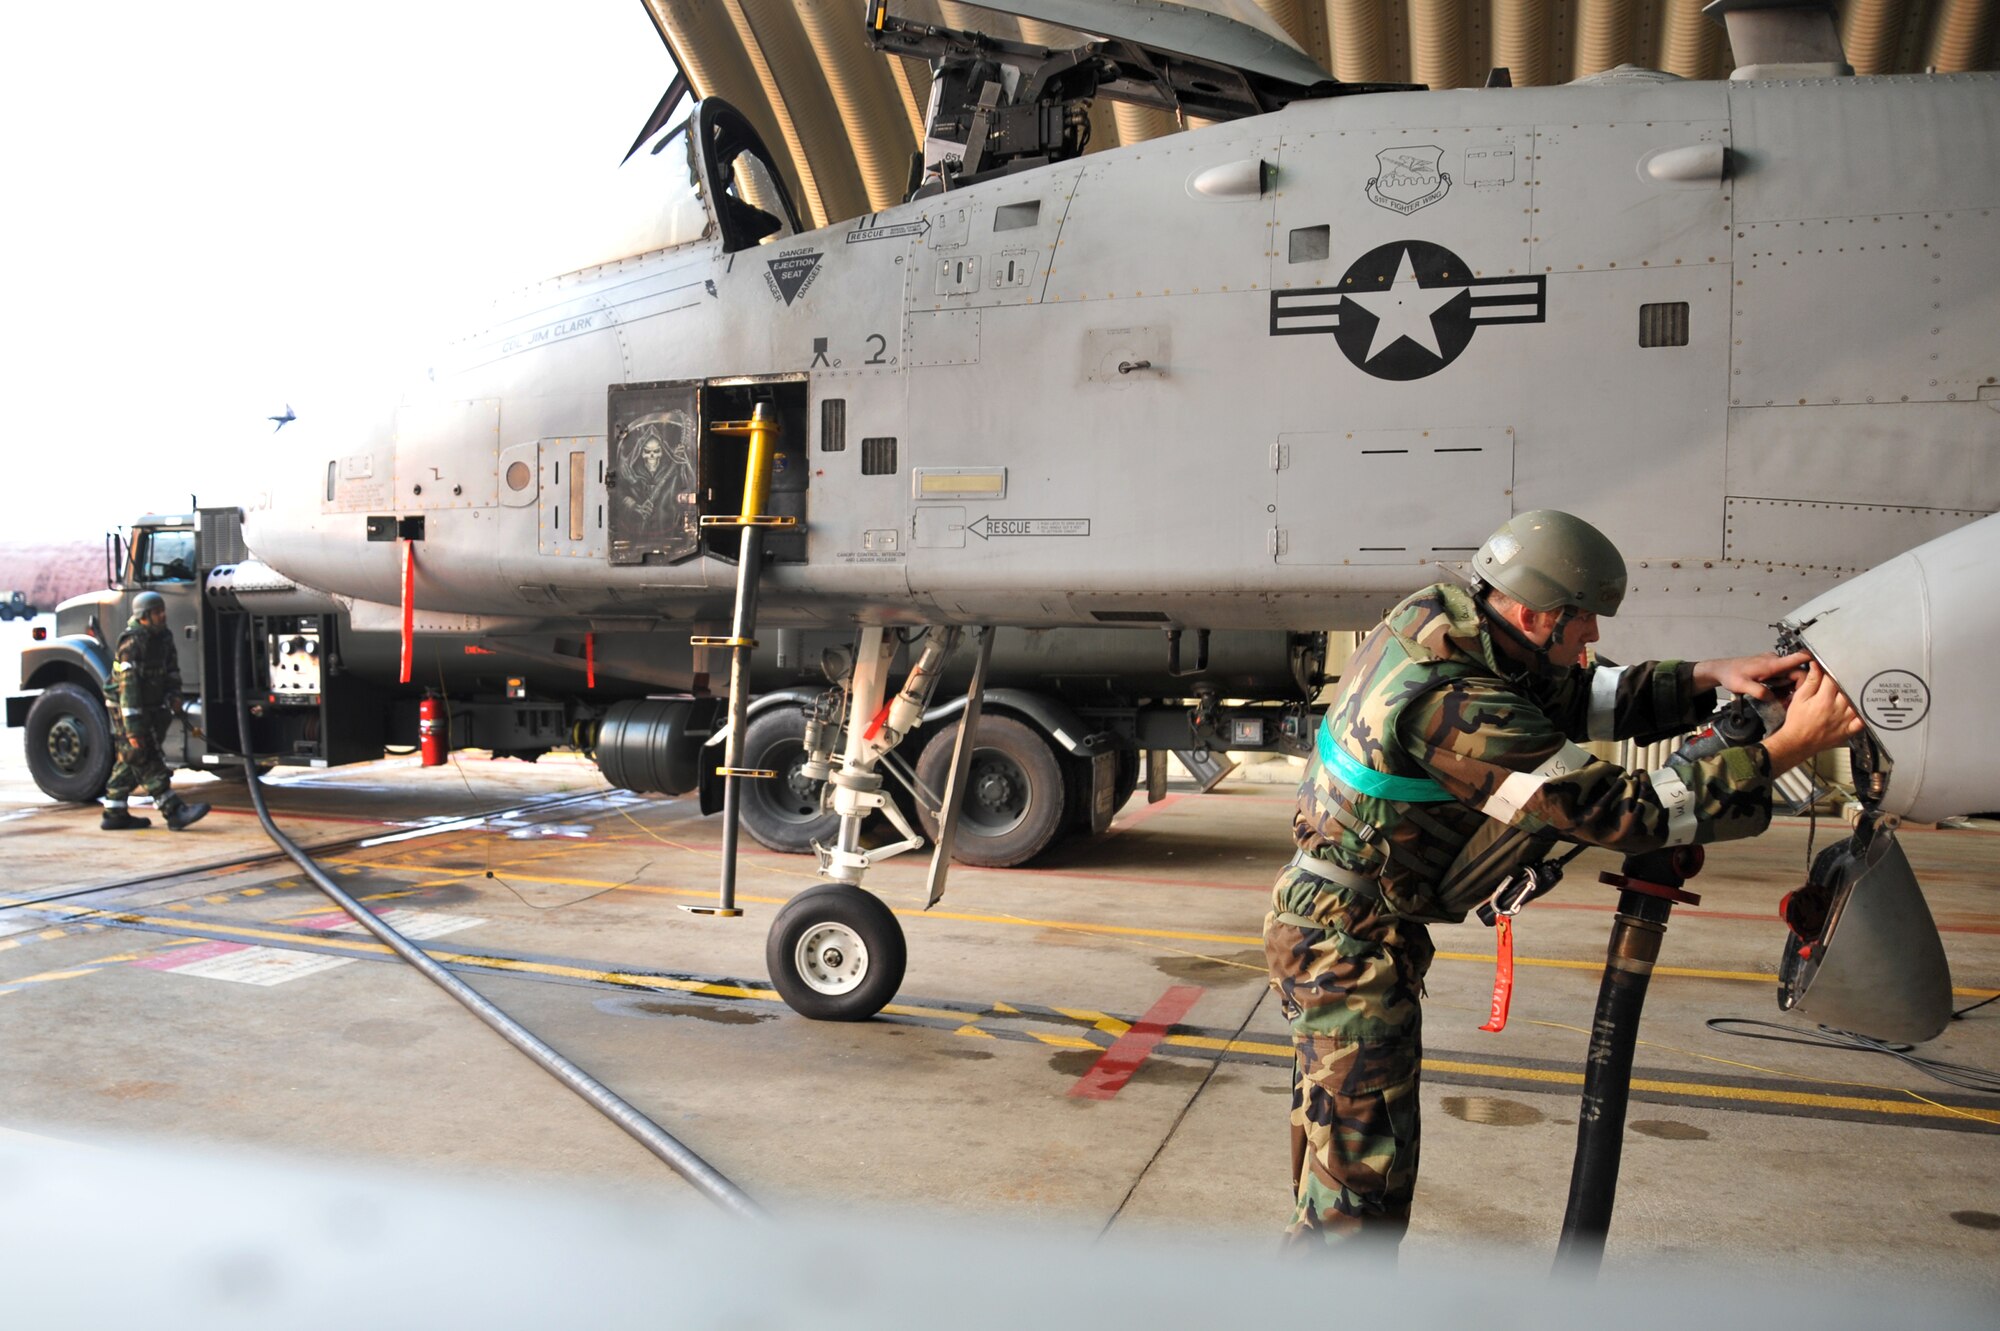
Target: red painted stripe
[{"x": 1108, "y": 1075}]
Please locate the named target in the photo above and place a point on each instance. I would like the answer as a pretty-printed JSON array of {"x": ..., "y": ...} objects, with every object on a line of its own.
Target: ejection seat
[{"x": 740, "y": 178}]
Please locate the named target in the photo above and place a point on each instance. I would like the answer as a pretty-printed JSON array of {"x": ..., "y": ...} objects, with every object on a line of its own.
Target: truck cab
[{"x": 65, "y": 679}]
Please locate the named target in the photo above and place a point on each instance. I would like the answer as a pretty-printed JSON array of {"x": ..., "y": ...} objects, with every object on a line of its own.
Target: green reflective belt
[{"x": 1382, "y": 785}]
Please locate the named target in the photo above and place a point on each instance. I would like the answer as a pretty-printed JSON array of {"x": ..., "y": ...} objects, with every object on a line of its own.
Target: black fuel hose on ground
[{"x": 706, "y": 1179}]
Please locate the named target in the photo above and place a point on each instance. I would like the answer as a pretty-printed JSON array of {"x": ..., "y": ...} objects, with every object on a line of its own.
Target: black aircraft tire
[
  {"x": 68, "y": 743},
  {"x": 836, "y": 953},
  {"x": 782, "y": 813},
  {"x": 1014, "y": 801}
]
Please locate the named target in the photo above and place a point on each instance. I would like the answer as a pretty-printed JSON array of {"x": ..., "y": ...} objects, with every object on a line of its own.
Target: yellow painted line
[
  {"x": 73, "y": 973},
  {"x": 1803, "y": 1099},
  {"x": 1230, "y": 1046},
  {"x": 1065, "y": 1041},
  {"x": 1122, "y": 931},
  {"x": 1103, "y": 1021},
  {"x": 973, "y": 1030},
  {"x": 940, "y": 1014},
  {"x": 253, "y": 891}
]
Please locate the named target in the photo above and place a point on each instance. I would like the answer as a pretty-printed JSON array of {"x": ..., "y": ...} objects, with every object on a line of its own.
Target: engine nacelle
[{"x": 1913, "y": 643}]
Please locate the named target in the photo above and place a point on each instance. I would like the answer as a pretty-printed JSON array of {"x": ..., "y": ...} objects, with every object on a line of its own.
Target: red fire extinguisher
[{"x": 432, "y": 736}]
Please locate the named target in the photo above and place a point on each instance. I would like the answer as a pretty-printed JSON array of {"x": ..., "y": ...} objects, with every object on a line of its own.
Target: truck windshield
[{"x": 166, "y": 556}]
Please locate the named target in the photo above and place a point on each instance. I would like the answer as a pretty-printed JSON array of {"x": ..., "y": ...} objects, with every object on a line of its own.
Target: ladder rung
[
  {"x": 717, "y": 521},
  {"x": 741, "y": 427},
  {"x": 752, "y": 773},
  {"x": 722, "y": 642}
]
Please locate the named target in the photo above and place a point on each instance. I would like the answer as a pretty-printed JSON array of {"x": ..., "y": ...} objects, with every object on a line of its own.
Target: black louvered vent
[
  {"x": 878, "y": 457},
  {"x": 1664, "y": 325},
  {"x": 833, "y": 425}
]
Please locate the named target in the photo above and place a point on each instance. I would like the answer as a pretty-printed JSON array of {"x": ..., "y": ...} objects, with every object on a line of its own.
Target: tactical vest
[{"x": 1437, "y": 858}]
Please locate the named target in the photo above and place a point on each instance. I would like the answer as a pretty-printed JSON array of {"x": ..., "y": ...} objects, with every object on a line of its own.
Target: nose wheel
[{"x": 835, "y": 953}]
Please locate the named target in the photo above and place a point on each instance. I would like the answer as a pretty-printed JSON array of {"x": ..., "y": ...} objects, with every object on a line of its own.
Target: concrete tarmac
[{"x": 220, "y": 1000}]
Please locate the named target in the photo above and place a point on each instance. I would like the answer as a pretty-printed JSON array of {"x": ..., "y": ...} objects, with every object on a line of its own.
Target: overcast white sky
[{"x": 217, "y": 208}]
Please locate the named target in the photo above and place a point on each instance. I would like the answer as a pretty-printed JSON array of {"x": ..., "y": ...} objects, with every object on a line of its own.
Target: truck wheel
[
  {"x": 835, "y": 953},
  {"x": 783, "y": 813},
  {"x": 1014, "y": 796},
  {"x": 69, "y": 743}
]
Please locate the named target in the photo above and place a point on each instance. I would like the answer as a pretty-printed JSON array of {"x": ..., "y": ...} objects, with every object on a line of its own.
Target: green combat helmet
[
  {"x": 145, "y": 603},
  {"x": 1550, "y": 560}
]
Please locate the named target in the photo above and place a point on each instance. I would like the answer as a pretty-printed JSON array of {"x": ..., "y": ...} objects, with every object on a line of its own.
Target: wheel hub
[
  {"x": 68, "y": 745},
  {"x": 831, "y": 958},
  {"x": 995, "y": 790}
]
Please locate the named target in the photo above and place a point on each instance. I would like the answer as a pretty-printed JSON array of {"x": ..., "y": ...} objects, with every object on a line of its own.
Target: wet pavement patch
[
  {"x": 1977, "y": 1219},
  {"x": 1491, "y": 1111},
  {"x": 1669, "y": 1131},
  {"x": 384, "y": 1032},
  {"x": 653, "y": 1007},
  {"x": 967, "y": 1055},
  {"x": 1243, "y": 967}
]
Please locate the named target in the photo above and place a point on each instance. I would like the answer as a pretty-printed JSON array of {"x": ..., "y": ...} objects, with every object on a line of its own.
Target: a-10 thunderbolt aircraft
[{"x": 1274, "y": 372}]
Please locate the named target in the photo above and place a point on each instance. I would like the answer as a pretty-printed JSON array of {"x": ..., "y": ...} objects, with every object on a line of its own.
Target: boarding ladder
[{"x": 762, "y": 430}]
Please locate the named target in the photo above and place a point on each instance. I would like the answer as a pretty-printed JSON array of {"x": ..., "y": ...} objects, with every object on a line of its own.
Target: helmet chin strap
[{"x": 1537, "y": 652}]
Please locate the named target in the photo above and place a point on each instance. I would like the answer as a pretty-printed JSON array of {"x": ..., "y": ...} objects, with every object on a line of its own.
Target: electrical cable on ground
[
  {"x": 1175, "y": 1126},
  {"x": 670, "y": 1150},
  {"x": 1826, "y": 1037}
]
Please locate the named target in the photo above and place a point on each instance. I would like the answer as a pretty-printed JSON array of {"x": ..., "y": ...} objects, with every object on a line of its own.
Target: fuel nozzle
[{"x": 1737, "y": 722}]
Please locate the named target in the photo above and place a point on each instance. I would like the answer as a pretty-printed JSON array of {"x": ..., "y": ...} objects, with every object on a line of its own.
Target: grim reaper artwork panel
[{"x": 654, "y": 490}]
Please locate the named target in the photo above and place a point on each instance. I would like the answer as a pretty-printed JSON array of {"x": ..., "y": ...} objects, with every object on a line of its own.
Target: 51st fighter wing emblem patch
[
  {"x": 1407, "y": 179},
  {"x": 1407, "y": 309}
]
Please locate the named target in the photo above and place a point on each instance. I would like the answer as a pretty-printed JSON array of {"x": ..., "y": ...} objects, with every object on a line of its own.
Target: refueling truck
[{"x": 1074, "y": 719}]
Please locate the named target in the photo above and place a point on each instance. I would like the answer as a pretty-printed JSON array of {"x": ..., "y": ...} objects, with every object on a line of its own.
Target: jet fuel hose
[
  {"x": 1638, "y": 927},
  {"x": 706, "y": 1179}
]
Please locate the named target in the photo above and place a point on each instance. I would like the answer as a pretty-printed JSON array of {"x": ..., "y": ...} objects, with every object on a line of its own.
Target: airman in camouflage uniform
[
  {"x": 145, "y": 688},
  {"x": 1449, "y": 760}
]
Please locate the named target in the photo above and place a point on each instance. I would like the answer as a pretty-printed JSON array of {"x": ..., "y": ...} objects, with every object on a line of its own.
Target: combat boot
[
  {"x": 120, "y": 820},
  {"x": 181, "y": 815}
]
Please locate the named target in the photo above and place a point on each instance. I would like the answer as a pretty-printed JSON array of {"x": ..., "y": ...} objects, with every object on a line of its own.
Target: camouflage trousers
[
  {"x": 1349, "y": 975},
  {"x": 139, "y": 766}
]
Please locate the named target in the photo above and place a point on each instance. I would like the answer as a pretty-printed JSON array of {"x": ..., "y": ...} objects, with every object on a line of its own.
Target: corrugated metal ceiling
[{"x": 843, "y": 120}]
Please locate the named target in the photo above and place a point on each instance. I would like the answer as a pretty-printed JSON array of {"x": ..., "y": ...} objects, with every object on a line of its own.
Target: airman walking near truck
[{"x": 145, "y": 692}]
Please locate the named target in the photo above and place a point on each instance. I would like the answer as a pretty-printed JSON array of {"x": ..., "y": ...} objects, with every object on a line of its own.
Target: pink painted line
[
  {"x": 1145, "y": 811},
  {"x": 326, "y": 922},
  {"x": 175, "y": 958},
  {"x": 1108, "y": 1075}
]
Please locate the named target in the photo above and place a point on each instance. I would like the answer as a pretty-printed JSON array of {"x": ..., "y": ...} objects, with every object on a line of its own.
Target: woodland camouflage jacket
[
  {"x": 1485, "y": 771},
  {"x": 145, "y": 672}
]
